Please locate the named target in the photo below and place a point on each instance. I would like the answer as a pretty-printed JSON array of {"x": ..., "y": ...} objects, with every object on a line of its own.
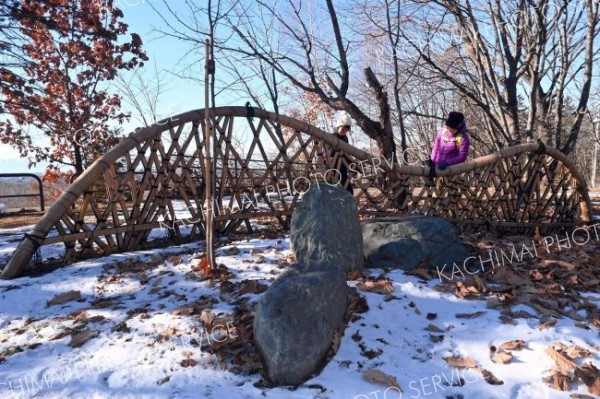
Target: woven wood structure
[{"x": 153, "y": 180}]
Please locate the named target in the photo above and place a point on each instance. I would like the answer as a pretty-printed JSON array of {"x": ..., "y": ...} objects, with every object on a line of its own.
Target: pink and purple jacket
[{"x": 445, "y": 148}]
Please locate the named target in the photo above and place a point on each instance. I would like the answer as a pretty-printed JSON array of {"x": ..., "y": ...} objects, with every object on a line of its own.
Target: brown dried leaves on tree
[{"x": 69, "y": 51}]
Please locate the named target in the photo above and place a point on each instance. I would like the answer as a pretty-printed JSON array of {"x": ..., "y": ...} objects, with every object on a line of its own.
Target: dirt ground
[
  {"x": 30, "y": 217},
  {"x": 19, "y": 219}
]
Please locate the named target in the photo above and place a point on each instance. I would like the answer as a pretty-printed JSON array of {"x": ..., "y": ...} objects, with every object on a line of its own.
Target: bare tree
[
  {"x": 515, "y": 57},
  {"x": 511, "y": 65},
  {"x": 142, "y": 94},
  {"x": 313, "y": 58}
]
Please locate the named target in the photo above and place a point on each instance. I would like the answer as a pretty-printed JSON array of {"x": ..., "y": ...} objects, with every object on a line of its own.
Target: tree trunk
[
  {"x": 78, "y": 158},
  {"x": 590, "y": 52},
  {"x": 385, "y": 132}
]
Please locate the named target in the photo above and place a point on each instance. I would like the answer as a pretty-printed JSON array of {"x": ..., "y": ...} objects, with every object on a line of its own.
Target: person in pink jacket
[{"x": 452, "y": 142}]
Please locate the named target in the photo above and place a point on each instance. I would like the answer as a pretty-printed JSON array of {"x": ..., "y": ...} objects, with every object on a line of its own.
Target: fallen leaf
[
  {"x": 444, "y": 287},
  {"x": 507, "y": 320},
  {"x": 60, "y": 334},
  {"x": 167, "y": 334},
  {"x": 489, "y": 377},
  {"x": 96, "y": 319},
  {"x": 382, "y": 287},
  {"x": 564, "y": 363},
  {"x": 353, "y": 275},
  {"x": 513, "y": 345},
  {"x": 553, "y": 263},
  {"x": 422, "y": 272},
  {"x": 81, "y": 338},
  {"x": 78, "y": 315},
  {"x": 381, "y": 378},
  {"x": 461, "y": 363},
  {"x": 577, "y": 352},
  {"x": 175, "y": 259},
  {"x": 520, "y": 314},
  {"x": 252, "y": 287},
  {"x": 184, "y": 310},
  {"x": 547, "y": 322},
  {"x": 462, "y": 290},
  {"x": 559, "y": 381},
  {"x": 64, "y": 298},
  {"x": 502, "y": 358},
  {"x": 436, "y": 338},
  {"x": 121, "y": 327},
  {"x": 206, "y": 317},
  {"x": 559, "y": 346},
  {"x": 590, "y": 376},
  {"x": 255, "y": 251},
  {"x": 389, "y": 297},
  {"x": 154, "y": 290},
  {"x": 203, "y": 267},
  {"x": 370, "y": 353},
  {"x": 188, "y": 362},
  {"x": 470, "y": 315},
  {"x": 204, "y": 264},
  {"x": 336, "y": 341},
  {"x": 544, "y": 310},
  {"x": 494, "y": 302},
  {"x": 231, "y": 251},
  {"x": 433, "y": 328},
  {"x": 475, "y": 281},
  {"x": 100, "y": 304}
]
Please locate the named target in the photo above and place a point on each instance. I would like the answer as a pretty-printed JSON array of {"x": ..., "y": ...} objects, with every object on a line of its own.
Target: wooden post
[{"x": 208, "y": 199}]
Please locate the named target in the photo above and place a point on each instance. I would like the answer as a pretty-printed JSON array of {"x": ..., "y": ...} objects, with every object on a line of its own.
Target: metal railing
[{"x": 40, "y": 193}]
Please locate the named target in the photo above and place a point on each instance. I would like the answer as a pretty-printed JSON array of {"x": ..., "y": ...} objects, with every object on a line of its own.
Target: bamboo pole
[{"x": 208, "y": 178}]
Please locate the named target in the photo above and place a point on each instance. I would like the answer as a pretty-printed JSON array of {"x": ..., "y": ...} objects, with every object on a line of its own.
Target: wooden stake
[{"x": 208, "y": 179}]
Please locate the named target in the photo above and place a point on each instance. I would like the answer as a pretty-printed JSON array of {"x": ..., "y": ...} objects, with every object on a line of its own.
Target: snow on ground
[{"x": 140, "y": 344}]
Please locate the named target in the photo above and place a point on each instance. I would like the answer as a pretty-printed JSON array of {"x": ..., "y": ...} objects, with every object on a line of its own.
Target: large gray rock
[
  {"x": 295, "y": 321},
  {"x": 405, "y": 244},
  {"x": 325, "y": 230}
]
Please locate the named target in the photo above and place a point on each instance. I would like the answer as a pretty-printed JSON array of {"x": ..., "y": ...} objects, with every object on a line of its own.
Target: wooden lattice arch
[{"x": 138, "y": 186}]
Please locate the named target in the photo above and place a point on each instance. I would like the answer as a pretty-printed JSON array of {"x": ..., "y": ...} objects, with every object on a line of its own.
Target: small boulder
[
  {"x": 406, "y": 244},
  {"x": 325, "y": 230},
  {"x": 295, "y": 321}
]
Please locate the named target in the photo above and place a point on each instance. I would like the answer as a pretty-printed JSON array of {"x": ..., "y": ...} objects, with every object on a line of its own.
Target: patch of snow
[{"x": 133, "y": 362}]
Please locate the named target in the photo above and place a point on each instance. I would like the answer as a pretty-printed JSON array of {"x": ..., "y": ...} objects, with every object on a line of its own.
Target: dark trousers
[{"x": 345, "y": 180}]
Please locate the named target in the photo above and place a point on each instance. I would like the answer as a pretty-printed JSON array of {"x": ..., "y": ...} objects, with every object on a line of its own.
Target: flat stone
[
  {"x": 408, "y": 243},
  {"x": 64, "y": 298}
]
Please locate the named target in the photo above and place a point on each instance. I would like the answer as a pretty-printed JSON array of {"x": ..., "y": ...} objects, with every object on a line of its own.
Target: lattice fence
[{"x": 153, "y": 181}]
